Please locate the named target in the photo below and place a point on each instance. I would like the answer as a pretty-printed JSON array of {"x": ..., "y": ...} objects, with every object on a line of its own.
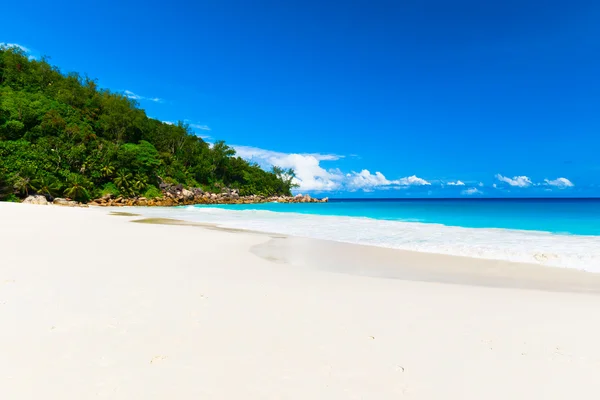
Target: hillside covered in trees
[{"x": 61, "y": 135}]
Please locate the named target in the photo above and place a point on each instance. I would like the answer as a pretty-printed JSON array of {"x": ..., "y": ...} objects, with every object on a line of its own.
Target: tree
[
  {"x": 5, "y": 187},
  {"x": 221, "y": 154},
  {"x": 107, "y": 170},
  {"x": 77, "y": 188},
  {"x": 286, "y": 177},
  {"x": 46, "y": 185},
  {"x": 22, "y": 184},
  {"x": 142, "y": 158},
  {"x": 123, "y": 181},
  {"x": 139, "y": 183},
  {"x": 63, "y": 127}
]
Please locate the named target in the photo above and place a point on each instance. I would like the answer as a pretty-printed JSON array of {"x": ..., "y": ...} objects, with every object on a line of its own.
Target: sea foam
[{"x": 569, "y": 251}]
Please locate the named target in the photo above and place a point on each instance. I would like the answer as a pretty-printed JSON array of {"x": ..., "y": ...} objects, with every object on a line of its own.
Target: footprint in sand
[{"x": 156, "y": 359}]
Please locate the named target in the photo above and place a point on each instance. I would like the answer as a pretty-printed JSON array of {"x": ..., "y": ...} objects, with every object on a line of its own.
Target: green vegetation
[{"x": 60, "y": 135}]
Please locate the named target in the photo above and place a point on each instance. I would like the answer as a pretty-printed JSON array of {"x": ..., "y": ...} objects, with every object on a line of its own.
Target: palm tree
[
  {"x": 286, "y": 177},
  {"x": 122, "y": 180},
  {"x": 107, "y": 170},
  {"x": 47, "y": 186},
  {"x": 139, "y": 182},
  {"x": 22, "y": 184},
  {"x": 77, "y": 188}
]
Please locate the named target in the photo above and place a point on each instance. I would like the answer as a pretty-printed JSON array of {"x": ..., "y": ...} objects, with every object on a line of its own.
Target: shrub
[
  {"x": 111, "y": 189},
  {"x": 152, "y": 192}
]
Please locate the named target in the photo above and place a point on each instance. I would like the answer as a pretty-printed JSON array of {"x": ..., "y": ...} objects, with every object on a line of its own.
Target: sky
[{"x": 362, "y": 98}]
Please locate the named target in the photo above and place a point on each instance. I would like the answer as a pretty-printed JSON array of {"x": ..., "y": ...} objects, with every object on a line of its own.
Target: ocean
[{"x": 556, "y": 232}]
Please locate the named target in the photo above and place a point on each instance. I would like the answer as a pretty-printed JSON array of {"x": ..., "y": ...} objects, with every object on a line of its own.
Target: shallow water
[{"x": 564, "y": 233}]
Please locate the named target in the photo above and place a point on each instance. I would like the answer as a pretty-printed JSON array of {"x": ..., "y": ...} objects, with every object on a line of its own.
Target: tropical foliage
[{"x": 61, "y": 135}]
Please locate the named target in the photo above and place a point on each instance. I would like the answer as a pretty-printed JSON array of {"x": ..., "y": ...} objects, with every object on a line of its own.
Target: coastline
[
  {"x": 578, "y": 252},
  {"x": 132, "y": 310},
  {"x": 387, "y": 263}
]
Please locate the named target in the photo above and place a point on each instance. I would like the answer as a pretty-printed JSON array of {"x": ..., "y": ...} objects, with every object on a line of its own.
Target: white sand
[{"x": 94, "y": 306}]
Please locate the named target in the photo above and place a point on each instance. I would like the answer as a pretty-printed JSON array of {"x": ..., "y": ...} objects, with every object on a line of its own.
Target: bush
[
  {"x": 152, "y": 192},
  {"x": 12, "y": 198},
  {"x": 111, "y": 189},
  {"x": 5, "y": 187}
]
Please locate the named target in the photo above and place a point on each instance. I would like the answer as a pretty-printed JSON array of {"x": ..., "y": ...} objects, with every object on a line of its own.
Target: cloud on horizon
[
  {"x": 457, "y": 183},
  {"x": 311, "y": 176},
  {"x": 518, "y": 181},
  {"x": 366, "y": 181},
  {"x": 560, "y": 183},
  {"x": 524, "y": 181},
  {"x": 471, "y": 191},
  {"x": 412, "y": 181}
]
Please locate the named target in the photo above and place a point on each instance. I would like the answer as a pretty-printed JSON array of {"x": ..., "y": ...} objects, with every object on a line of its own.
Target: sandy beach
[{"x": 95, "y": 306}]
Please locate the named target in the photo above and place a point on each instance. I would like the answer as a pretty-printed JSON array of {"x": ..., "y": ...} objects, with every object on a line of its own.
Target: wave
[{"x": 569, "y": 251}]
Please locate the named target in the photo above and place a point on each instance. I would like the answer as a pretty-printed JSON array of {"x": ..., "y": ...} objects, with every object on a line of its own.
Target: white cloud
[
  {"x": 560, "y": 183},
  {"x": 411, "y": 181},
  {"x": 457, "y": 183},
  {"x": 495, "y": 186},
  {"x": 311, "y": 176},
  {"x": 195, "y": 126},
  {"x": 471, "y": 191},
  {"x": 519, "y": 181},
  {"x": 480, "y": 184},
  {"x": 132, "y": 95},
  {"x": 129, "y": 94},
  {"x": 200, "y": 127},
  {"x": 524, "y": 181},
  {"x": 9, "y": 45},
  {"x": 30, "y": 56},
  {"x": 365, "y": 180}
]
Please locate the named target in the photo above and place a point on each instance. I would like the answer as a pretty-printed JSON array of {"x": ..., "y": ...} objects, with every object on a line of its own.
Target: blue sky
[{"x": 362, "y": 98}]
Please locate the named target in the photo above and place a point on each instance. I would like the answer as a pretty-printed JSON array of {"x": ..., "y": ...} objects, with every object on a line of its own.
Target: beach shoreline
[
  {"x": 389, "y": 263},
  {"x": 94, "y": 304},
  {"x": 544, "y": 248}
]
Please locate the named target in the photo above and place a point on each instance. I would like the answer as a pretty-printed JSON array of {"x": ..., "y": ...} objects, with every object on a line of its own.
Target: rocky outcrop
[
  {"x": 65, "y": 202},
  {"x": 187, "y": 194},
  {"x": 177, "y": 195},
  {"x": 37, "y": 199},
  {"x": 41, "y": 200},
  {"x": 198, "y": 196}
]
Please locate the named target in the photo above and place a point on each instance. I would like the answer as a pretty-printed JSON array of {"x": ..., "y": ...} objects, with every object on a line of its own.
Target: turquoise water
[
  {"x": 566, "y": 216},
  {"x": 555, "y": 232}
]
